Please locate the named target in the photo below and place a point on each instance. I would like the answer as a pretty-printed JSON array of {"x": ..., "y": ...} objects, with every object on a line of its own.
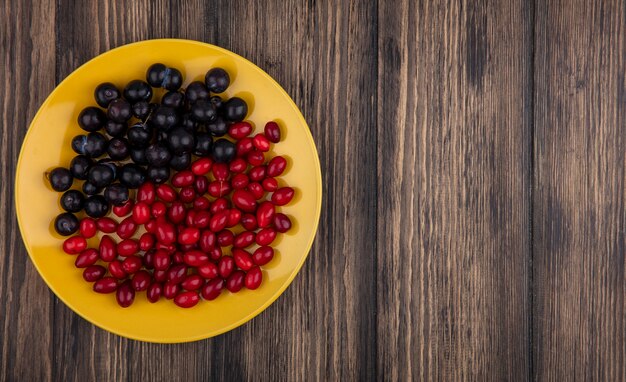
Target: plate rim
[{"x": 268, "y": 302}]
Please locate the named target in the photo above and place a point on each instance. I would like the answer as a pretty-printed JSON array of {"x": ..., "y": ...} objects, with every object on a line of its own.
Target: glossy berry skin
[
  {"x": 105, "y": 93},
  {"x": 66, "y": 224},
  {"x": 242, "y": 259},
  {"x": 96, "y": 206},
  {"x": 265, "y": 236},
  {"x": 60, "y": 179},
  {"x": 163, "y": 118},
  {"x": 217, "y": 101},
  {"x": 195, "y": 91},
  {"x": 208, "y": 270},
  {"x": 125, "y": 295},
  {"x": 118, "y": 148},
  {"x": 282, "y": 196},
  {"x": 141, "y": 110},
  {"x": 155, "y": 75},
  {"x": 225, "y": 266},
  {"x": 212, "y": 289},
  {"x": 265, "y": 214},
  {"x": 217, "y": 80},
  {"x": 223, "y": 151},
  {"x": 139, "y": 136},
  {"x": 86, "y": 258},
  {"x": 192, "y": 282},
  {"x": 272, "y": 132},
  {"x": 240, "y": 130},
  {"x": 204, "y": 143},
  {"x": 276, "y": 166},
  {"x": 263, "y": 255},
  {"x": 132, "y": 264},
  {"x": 203, "y": 111},
  {"x": 138, "y": 156},
  {"x": 244, "y": 200},
  {"x": 253, "y": 278},
  {"x": 269, "y": 184},
  {"x": 155, "y": 290},
  {"x": 235, "y": 109},
  {"x": 141, "y": 281},
  {"x": 94, "y": 273},
  {"x": 91, "y": 119},
  {"x": 132, "y": 175},
  {"x": 158, "y": 175},
  {"x": 107, "y": 249},
  {"x": 79, "y": 167},
  {"x": 137, "y": 90},
  {"x": 173, "y": 99},
  {"x": 172, "y": 79},
  {"x": 100, "y": 175},
  {"x": 180, "y": 141},
  {"x": 235, "y": 281},
  {"x": 127, "y": 227},
  {"x": 72, "y": 201},
  {"x": 105, "y": 285},
  {"x": 186, "y": 299},
  {"x": 90, "y": 189},
  {"x": 119, "y": 110},
  {"x": 74, "y": 245},
  {"x": 261, "y": 143},
  {"x": 218, "y": 127},
  {"x": 88, "y": 228},
  {"x": 95, "y": 145},
  {"x": 116, "y": 194},
  {"x": 201, "y": 166},
  {"x": 124, "y": 209},
  {"x": 115, "y": 129},
  {"x": 158, "y": 155},
  {"x": 106, "y": 225}
]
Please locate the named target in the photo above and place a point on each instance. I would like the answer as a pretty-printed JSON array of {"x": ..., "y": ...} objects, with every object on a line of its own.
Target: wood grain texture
[
  {"x": 473, "y": 218},
  {"x": 580, "y": 223},
  {"x": 27, "y": 76},
  {"x": 454, "y": 128}
]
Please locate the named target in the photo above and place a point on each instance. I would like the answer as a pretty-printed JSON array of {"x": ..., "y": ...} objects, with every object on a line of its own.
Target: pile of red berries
[{"x": 206, "y": 226}]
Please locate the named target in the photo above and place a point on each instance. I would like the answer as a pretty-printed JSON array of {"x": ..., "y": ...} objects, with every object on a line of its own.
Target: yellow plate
[{"x": 47, "y": 145}]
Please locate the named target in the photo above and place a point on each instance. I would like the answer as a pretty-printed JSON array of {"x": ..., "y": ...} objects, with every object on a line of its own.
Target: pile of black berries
[{"x": 131, "y": 138}]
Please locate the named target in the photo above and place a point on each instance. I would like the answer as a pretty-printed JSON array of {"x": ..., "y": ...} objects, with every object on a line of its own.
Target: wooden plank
[
  {"x": 454, "y": 133},
  {"x": 579, "y": 214},
  {"x": 27, "y": 59},
  {"x": 323, "y": 327}
]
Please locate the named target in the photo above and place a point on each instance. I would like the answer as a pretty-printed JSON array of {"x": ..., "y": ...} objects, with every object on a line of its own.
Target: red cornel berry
[{"x": 184, "y": 210}]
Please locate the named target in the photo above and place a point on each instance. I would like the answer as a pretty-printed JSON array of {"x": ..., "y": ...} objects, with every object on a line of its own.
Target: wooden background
[{"x": 473, "y": 225}]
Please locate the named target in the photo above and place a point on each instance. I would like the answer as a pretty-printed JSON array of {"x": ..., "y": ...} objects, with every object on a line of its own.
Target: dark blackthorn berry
[
  {"x": 158, "y": 174},
  {"x": 187, "y": 122},
  {"x": 195, "y": 91},
  {"x": 78, "y": 144},
  {"x": 116, "y": 194},
  {"x": 203, "y": 111},
  {"x": 139, "y": 136},
  {"x": 115, "y": 129},
  {"x": 141, "y": 110},
  {"x": 172, "y": 79},
  {"x": 60, "y": 179},
  {"x": 217, "y": 102},
  {"x": 90, "y": 189},
  {"x": 158, "y": 155},
  {"x": 235, "y": 109},
  {"x": 161, "y": 137},
  {"x": 66, "y": 224},
  {"x": 79, "y": 166},
  {"x": 137, "y": 90},
  {"x": 96, "y": 206},
  {"x": 138, "y": 155},
  {"x": 119, "y": 110},
  {"x": 118, "y": 148},
  {"x": 223, "y": 151},
  {"x": 217, "y": 80},
  {"x": 180, "y": 162},
  {"x": 164, "y": 118},
  {"x": 173, "y": 99},
  {"x": 91, "y": 118},
  {"x": 112, "y": 165},
  {"x": 132, "y": 175},
  {"x": 101, "y": 175},
  {"x": 105, "y": 93},
  {"x": 155, "y": 75},
  {"x": 217, "y": 128},
  {"x": 181, "y": 141},
  {"x": 204, "y": 141},
  {"x": 72, "y": 201},
  {"x": 95, "y": 145}
]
